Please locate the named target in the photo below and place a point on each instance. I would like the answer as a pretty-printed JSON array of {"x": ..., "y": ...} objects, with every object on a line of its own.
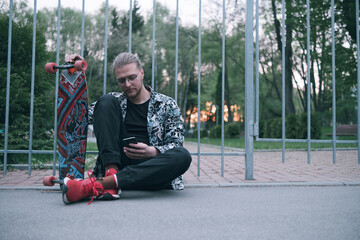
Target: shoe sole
[
  {"x": 108, "y": 196},
  {"x": 64, "y": 191}
]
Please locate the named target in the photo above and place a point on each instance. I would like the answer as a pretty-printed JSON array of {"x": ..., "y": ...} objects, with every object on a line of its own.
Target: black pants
[{"x": 149, "y": 174}]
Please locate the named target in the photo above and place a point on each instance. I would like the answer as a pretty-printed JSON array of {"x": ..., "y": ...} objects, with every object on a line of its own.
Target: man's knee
[
  {"x": 107, "y": 108},
  {"x": 106, "y": 101},
  {"x": 181, "y": 157},
  {"x": 186, "y": 156}
]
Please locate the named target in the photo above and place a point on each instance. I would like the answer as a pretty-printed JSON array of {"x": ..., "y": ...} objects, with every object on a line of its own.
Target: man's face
[{"x": 130, "y": 79}]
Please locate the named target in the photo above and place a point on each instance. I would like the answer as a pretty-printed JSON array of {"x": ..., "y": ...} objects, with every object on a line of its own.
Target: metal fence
[
  {"x": 334, "y": 140},
  {"x": 251, "y": 93}
]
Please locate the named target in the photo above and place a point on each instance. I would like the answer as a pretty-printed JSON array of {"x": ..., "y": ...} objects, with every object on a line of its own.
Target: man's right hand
[{"x": 140, "y": 151}]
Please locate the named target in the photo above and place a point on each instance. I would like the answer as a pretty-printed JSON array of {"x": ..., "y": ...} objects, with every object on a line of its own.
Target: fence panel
[
  {"x": 308, "y": 140},
  {"x": 252, "y": 108},
  {"x": 30, "y": 151}
]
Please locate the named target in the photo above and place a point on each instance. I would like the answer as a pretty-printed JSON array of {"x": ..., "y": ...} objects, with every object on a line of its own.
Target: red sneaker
[
  {"x": 76, "y": 189},
  {"x": 110, "y": 194}
]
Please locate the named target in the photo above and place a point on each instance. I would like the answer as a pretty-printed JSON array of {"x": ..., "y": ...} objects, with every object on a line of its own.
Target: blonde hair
[{"x": 125, "y": 58}]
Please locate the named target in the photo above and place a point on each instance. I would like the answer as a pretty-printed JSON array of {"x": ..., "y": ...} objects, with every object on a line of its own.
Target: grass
[
  {"x": 240, "y": 143},
  {"x": 91, "y": 146}
]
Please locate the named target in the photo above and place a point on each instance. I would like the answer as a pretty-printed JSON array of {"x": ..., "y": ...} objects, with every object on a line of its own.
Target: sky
[{"x": 188, "y": 9}]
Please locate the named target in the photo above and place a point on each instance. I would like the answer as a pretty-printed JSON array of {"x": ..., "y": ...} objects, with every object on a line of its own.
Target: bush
[
  {"x": 295, "y": 127},
  {"x": 301, "y": 128},
  {"x": 215, "y": 132},
  {"x": 203, "y": 133},
  {"x": 262, "y": 129},
  {"x": 273, "y": 128},
  {"x": 290, "y": 126},
  {"x": 315, "y": 125},
  {"x": 232, "y": 129}
]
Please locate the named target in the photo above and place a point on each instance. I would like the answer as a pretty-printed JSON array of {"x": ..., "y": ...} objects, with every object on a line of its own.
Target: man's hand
[{"x": 140, "y": 151}]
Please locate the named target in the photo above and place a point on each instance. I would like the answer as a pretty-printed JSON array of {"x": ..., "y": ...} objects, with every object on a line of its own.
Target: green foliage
[
  {"x": 232, "y": 129},
  {"x": 321, "y": 58},
  {"x": 20, "y": 88},
  {"x": 273, "y": 128},
  {"x": 291, "y": 126},
  {"x": 204, "y": 133},
  {"x": 345, "y": 110},
  {"x": 301, "y": 126},
  {"x": 295, "y": 127},
  {"x": 215, "y": 132}
]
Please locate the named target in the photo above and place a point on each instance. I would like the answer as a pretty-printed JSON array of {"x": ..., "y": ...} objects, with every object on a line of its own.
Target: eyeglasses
[{"x": 129, "y": 78}]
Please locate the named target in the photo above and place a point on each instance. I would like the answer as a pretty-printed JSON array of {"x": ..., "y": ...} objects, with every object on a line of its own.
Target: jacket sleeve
[
  {"x": 173, "y": 128},
  {"x": 91, "y": 113}
]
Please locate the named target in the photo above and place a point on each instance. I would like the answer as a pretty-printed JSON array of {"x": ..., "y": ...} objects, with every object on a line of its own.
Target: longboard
[{"x": 72, "y": 118}]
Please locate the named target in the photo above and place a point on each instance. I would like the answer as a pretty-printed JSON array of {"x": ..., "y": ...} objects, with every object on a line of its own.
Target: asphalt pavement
[
  {"x": 282, "y": 212},
  {"x": 291, "y": 200}
]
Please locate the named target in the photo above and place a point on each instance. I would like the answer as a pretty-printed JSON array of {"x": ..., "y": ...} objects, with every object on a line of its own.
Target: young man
[{"x": 155, "y": 160}]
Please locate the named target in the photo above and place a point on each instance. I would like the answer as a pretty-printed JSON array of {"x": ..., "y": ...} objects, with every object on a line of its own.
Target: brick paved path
[{"x": 268, "y": 168}]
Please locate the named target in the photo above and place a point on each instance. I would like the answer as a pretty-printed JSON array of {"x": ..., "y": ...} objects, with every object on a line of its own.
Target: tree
[
  {"x": 321, "y": 58},
  {"x": 289, "y": 105},
  {"x": 20, "y": 78},
  {"x": 137, "y": 21},
  {"x": 119, "y": 40},
  {"x": 347, "y": 16}
]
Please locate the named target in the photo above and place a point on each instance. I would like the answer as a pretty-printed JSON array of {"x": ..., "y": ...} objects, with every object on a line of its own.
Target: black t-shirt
[{"x": 136, "y": 121}]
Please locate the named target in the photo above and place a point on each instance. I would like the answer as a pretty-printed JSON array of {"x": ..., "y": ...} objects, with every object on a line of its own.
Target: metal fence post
[
  {"x": 176, "y": 50},
  {"x": 199, "y": 91},
  {"x": 106, "y": 44},
  {"x": 308, "y": 55},
  {"x": 8, "y": 87},
  {"x": 153, "y": 48},
  {"x": 358, "y": 75},
  {"x": 82, "y": 28},
  {"x": 333, "y": 81},
  {"x": 257, "y": 54},
  {"x": 32, "y": 89},
  {"x": 223, "y": 89},
  {"x": 249, "y": 90},
  {"x": 56, "y": 86},
  {"x": 130, "y": 25},
  {"x": 283, "y": 65}
]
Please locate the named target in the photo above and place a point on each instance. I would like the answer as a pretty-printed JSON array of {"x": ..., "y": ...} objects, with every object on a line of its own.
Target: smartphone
[{"x": 129, "y": 140}]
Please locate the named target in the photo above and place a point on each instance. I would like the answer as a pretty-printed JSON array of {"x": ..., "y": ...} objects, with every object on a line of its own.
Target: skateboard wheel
[
  {"x": 47, "y": 181},
  {"x": 50, "y": 68},
  {"x": 81, "y": 65}
]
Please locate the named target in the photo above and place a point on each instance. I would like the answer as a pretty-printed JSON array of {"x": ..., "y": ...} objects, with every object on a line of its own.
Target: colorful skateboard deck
[{"x": 72, "y": 118}]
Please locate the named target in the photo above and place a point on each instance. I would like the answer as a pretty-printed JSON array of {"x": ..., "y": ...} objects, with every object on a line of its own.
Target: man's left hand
[{"x": 140, "y": 151}]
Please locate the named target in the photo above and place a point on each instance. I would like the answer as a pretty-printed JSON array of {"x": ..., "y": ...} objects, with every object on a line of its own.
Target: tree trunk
[{"x": 289, "y": 104}]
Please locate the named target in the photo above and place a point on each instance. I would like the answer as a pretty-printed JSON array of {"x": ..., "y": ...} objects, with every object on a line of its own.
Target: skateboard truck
[
  {"x": 51, "y": 180},
  {"x": 79, "y": 65}
]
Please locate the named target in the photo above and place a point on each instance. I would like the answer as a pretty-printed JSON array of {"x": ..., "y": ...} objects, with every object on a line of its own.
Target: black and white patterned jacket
[{"x": 165, "y": 123}]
